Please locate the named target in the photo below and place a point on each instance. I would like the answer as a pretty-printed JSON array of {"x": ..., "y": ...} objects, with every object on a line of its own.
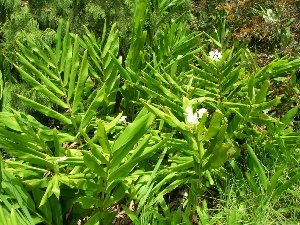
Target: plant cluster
[{"x": 183, "y": 113}]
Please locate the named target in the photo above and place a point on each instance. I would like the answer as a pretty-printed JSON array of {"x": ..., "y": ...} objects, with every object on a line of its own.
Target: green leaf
[
  {"x": 284, "y": 187},
  {"x": 94, "y": 219},
  {"x": 57, "y": 144},
  {"x": 74, "y": 68},
  {"x": 102, "y": 136},
  {"x": 37, "y": 62},
  {"x": 38, "y": 74},
  {"x": 203, "y": 74},
  {"x": 265, "y": 105},
  {"x": 168, "y": 118},
  {"x": 34, "y": 47},
  {"x": 57, "y": 212},
  {"x": 45, "y": 110},
  {"x": 274, "y": 179},
  {"x": 231, "y": 79},
  {"x": 47, "y": 193},
  {"x": 258, "y": 167},
  {"x": 131, "y": 215},
  {"x": 216, "y": 142},
  {"x": 65, "y": 48},
  {"x": 87, "y": 202},
  {"x": 92, "y": 163},
  {"x": 36, "y": 85},
  {"x": 129, "y": 138},
  {"x": 92, "y": 110},
  {"x": 288, "y": 118},
  {"x": 251, "y": 91},
  {"x": 96, "y": 150},
  {"x": 217, "y": 43},
  {"x": 261, "y": 95},
  {"x": 83, "y": 74},
  {"x": 219, "y": 157},
  {"x": 58, "y": 41},
  {"x": 214, "y": 125},
  {"x": 134, "y": 158}
]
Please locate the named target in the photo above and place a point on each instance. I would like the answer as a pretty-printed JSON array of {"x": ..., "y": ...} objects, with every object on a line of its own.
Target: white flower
[
  {"x": 215, "y": 55},
  {"x": 192, "y": 117},
  {"x": 201, "y": 112},
  {"x": 122, "y": 119},
  {"x": 61, "y": 159}
]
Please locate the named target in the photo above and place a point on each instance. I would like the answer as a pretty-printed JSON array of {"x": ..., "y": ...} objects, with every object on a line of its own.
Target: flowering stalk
[{"x": 197, "y": 129}]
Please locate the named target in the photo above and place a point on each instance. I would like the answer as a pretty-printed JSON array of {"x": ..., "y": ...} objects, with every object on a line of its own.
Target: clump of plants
[{"x": 182, "y": 113}]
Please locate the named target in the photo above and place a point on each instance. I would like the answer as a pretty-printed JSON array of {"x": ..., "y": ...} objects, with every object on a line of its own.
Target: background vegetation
[{"x": 149, "y": 112}]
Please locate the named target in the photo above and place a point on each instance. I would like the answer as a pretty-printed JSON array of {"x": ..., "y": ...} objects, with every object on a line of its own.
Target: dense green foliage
[{"x": 171, "y": 122}]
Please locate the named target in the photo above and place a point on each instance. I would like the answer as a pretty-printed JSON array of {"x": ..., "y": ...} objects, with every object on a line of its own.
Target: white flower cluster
[
  {"x": 192, "y": 117},
  {"x": 215, "y": 55}
]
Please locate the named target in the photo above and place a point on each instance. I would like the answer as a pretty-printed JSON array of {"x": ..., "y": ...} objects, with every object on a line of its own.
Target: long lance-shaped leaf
[
  {"x": 214, "y": 126},
  {"x": 129, "y": 138},
  {"x": 169, "y": 118},
  {"x": 45, "y": 110},
  {"x": 92, "y": 53},
  {"x": 288, "y": 117},
  {"x": 38, "y": 74},
  {"x": 74, "y": 68},
  {"x": 261, "y": 95},
  {"x": 96, "y": 150},
  {"x": 259, "y": 169},
  {"x": 19, "y": 138},
  {"x": 92, "y": 163},
  {"x": 123, "y": 170},
  {"x": 112, "y": 38},
  {"x": 102, "y": 136},
  {"x": 4, "y": 219},
  {"x": 56, "y": 210},
  {"x": 265, "y": 105},
  {"x": 68, "y": 65},
  {"x": 50, "y": 51},
  {"x": 15, "y": 188},
  {"x": 33, "y": 46},
  {"x": 80, "y": 82},
  {"x": 251, "y": 90},
  {"x": 232, "y": 78},
  {"x": 169, "y": 14},
  {"x": 25, "y": 154},
  {"x": 1, "y": 169},
  {"x": 37, "y": 62},
  {"x": 122, "y": 71},
  {"x": 97, "y": 102},
  {"x": 147, "y": 189},
  {"x": 48, "y": 192},
  {"x": 92, "y": 47},
  {"x": 205, "y": 75},
  {"x": 65, "y": 48},
  {"x": 37, "y": 86},
  {"x": 58, "y": 41},
  {"x": 138, "y": 155}
]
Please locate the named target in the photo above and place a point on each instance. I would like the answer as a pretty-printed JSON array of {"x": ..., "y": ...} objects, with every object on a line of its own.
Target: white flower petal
[
  {"x": 189, "y": 110},
  {"x": 192, "y": 118},
  {"x": 201, "y": 112}
]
